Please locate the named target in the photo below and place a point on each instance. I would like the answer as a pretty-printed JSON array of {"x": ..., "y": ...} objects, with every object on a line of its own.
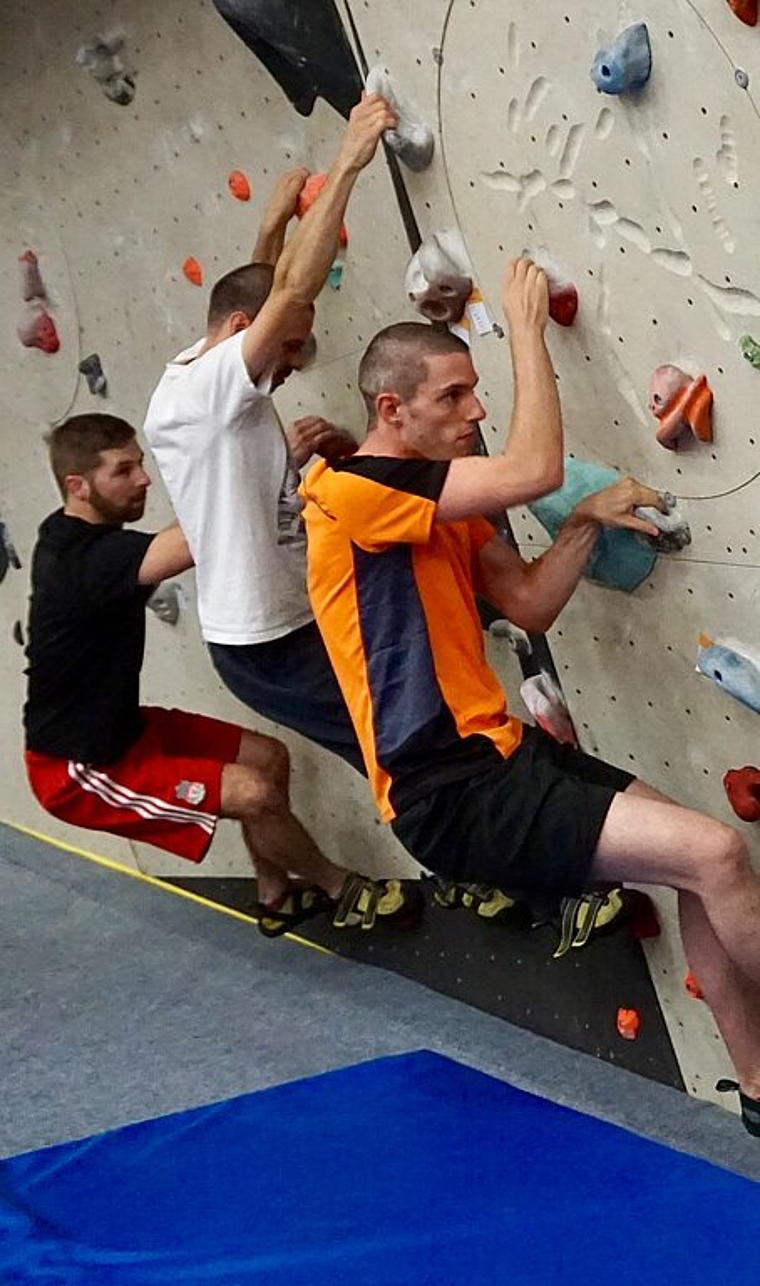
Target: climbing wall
[{"x": 645, "y": 201}]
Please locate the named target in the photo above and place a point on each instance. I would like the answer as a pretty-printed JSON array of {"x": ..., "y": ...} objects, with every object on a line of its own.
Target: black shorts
[{"x": 529, "y": 825}]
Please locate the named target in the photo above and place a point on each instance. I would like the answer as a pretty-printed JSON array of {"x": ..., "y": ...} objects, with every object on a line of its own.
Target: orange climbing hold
[
  {"x": 193, "y": 271},
  {"x": 239, "y": 186},
  {"x": 745, "y": 10},
  {"x": 742, "y": 785},
  {"x": 628, "y": 1023},
  {"x": 308, "y": 195},
  {"x": 693, "y": 987},
  {"x": 680, "y": 403}
]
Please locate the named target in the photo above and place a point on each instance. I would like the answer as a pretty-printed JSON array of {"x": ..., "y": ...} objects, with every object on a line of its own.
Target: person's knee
[
  {"x": 728, "y": 861},
  {"x": 267, "y": 756}
]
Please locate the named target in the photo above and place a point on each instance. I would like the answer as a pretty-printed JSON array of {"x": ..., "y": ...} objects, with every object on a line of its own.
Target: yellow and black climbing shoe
[
  {"x": 750, "y": 1106},
  {"x": 594, "y": 914},
  {"x": 363, "y": 903},
  {"x": 298, "y": 903},
  {"x": 487, "y": 901}
]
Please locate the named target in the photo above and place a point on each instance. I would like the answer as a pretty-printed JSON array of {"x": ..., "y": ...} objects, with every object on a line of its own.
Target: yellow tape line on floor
[{"x": 153, "y": 880}]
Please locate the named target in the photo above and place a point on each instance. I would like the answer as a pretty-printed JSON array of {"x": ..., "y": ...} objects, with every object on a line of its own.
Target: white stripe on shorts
[{"x": 149, "y": 806}]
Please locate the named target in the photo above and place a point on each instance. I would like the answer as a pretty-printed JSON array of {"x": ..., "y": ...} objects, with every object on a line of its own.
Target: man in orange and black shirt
[{"x": 399, "y": 544}]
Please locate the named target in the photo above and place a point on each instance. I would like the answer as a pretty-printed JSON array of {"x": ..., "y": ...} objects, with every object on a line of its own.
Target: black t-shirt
[{"x": 86, "y": 640}]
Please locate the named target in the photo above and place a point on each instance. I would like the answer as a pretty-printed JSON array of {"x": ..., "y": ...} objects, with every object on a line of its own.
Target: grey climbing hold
[
  {"x": 517, "y": 639},
  {"x": 93, "y": 372},
  {"x": 412, "y": 140},
  {"x": 742, "y": 78},
  {"x": 436, "y": 279},
  {"x": 675, "y": 532},
  {"x": 165, "y": 602},
  {"x": 105, "y": 58},
  {"x": 626, "y": 64}
]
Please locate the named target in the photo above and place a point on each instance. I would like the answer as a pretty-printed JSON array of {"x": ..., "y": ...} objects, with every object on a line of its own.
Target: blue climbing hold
[
  {"x": 736, "y": 673},
  {"x": 626, "y": 65}
]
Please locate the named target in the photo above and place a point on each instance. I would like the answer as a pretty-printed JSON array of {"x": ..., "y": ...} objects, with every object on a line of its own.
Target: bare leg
[
  {"x": 255, "y": 790},
  {"x": 655, "y": 841}
]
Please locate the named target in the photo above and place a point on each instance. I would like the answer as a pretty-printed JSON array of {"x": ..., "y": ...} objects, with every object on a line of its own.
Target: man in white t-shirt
[{"x": 232, "y": 476}]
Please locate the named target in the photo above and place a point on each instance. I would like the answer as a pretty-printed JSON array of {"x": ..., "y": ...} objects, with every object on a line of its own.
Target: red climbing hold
[
  {"x": 628, "y": 1023},
  {"x": 693, "y": 987},
  {"x": 308, "y": 195},
  {"x": 193, "y": 271},
  {"x": 644, "y": 921},
  {"x": 32, "y": 286},
  {"x": 239, "y": 186},
  {"x": 563, "y": 302},
  {"x": 745, "y": 10},
  {"x": 742, "y": 785},
  {"x": 36, "y": 329}
]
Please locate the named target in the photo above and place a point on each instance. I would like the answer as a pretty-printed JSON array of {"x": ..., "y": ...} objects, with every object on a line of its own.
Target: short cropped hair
[
  {"x": 243, "y": 290},
  {"x": 395, "y": 359},
  {"x": 75, "y": 445}
]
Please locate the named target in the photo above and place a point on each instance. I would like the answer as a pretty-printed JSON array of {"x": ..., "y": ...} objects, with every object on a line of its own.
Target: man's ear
[
  {"x": 387, "y": 407},
  {"x": 76, "y": 486},
  {"x": 236, "y": 322}
]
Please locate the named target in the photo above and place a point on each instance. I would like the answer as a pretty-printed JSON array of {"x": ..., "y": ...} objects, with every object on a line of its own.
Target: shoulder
[{"x": 423, "y": 478}]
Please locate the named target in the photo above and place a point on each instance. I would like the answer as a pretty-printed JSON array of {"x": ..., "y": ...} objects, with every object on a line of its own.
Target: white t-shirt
[{"x": 225, "y": 463}]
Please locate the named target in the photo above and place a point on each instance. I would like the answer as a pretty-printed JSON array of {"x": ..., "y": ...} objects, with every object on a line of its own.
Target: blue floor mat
[{"x": 399, "y": 1172}]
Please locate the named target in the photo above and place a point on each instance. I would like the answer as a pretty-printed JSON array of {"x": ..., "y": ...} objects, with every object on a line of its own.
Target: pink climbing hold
[
  {"x": 32, "y": 286},
  {"x": 36, "y": 329},
  {"x": 563, "y": 296},
  {"x": 680, "y": 403}
]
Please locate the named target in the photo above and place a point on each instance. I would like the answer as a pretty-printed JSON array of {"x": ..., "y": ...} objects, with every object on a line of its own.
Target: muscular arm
[
  {"x": 167, "y": 555},
  {"x": 531, "y": 464},
  {"x": 303, "y": 266},
  {"x": 279, "y": 211},
  {"x": 532, "y": 595}
]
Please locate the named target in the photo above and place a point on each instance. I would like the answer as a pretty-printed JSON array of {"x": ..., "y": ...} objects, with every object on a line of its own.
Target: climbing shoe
[
  {"x": 750, "y": 1106},
  {"x": 487, "y": 901},
  {"x": 364, "y": 903},
  {"x": 601, "y": 912}
]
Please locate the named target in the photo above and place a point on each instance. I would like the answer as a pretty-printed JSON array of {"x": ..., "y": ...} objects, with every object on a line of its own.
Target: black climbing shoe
[{"x": 750, "y": 1106}]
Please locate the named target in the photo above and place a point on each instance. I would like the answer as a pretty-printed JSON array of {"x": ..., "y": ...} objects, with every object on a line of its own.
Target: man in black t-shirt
[{"x": 95, "y": 757}]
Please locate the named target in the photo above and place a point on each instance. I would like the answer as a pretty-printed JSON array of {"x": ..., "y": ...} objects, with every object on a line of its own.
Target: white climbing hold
[{"x": 412, "y": 140}]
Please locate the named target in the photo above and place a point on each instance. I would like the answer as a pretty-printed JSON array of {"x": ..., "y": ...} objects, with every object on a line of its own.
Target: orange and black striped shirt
[{"x": 392, "y": 590}]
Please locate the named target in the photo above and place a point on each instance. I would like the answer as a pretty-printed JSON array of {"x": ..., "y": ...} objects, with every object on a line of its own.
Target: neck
[{"x": 82, "y": 509}]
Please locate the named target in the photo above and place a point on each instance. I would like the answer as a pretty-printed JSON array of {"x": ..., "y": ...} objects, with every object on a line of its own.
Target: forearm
[
  {"x": 269, "y": 241},
  {"x": 305, "y": 261},
  {"x": 536, "y": 424},
  {"x": 549, "y": 581}
]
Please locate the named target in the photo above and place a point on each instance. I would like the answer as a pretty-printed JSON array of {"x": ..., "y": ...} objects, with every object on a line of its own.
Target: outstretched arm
[
  {"x": 531, "y": 464},
  {"x": 279, "y": 211},
  {"x": 303, "y": 266},
  {"x": 168, "y": 554},
  {"x": 533, "y": 594}
]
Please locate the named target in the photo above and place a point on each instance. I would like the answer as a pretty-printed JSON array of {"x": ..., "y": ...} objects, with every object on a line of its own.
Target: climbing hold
[
  {"x": 563, "y": 296},
  {"x": 239, "y": 186},
  {"x": 517, "y": 639},
  {"x": 32, "y": 286},
  {"x": 165, "y": 602},
  {"x": 626, "y": 64},
  {"x": 680, "y": 402},
  {"x": 742, "y": 786},
  {"x": 750, "y": 351},
  {"x": 8, "y": 550},
  {"x": 308, "y": 195},
  {"x": 93, "y": 372},
  {"x": 105, "y": 58},
  {"x": 643, "y": 919},
  {"x": 621, "y": 559},
  {"x": 727, "y": 664},
  {"x": 675, "y": 532},
  {"x": 436, "y": 281},
  {"x": 628, "y": 1023},
  {"x": 36, "y": 328},
  {"x": 692, "y": 987},
  {"x": 545, "y": 700},
  {"x": 412, "y": 141},
  {"x": 17, "y": 633},
  {"x": 742, "y": 78},
  {"x": 193, "y": 271},
  {"x": 745, "y": 10}
]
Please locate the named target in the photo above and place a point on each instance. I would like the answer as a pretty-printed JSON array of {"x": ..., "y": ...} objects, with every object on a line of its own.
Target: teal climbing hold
[
  {"x": 626, "y": 64},
  {"x": 750, "y": 351}
]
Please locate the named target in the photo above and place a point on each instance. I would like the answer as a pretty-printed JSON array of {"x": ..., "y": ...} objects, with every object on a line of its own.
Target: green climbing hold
[{"x": 750, "y": 350}]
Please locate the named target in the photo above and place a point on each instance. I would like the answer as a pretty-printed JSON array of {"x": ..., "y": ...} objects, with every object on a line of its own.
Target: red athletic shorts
[{"x": 166, "y": 790}]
